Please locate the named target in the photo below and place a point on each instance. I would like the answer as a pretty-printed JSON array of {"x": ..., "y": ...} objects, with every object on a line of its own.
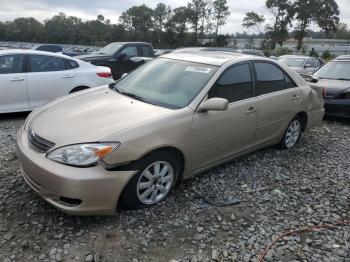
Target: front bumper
[
  {"x": 337, "y": 108},
  {"x": 76, "y": 191}
]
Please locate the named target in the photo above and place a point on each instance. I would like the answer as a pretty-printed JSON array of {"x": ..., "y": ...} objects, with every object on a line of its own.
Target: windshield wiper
[
  {"x": 344, "y": 79},
  {"x": 132, "y": 95}
]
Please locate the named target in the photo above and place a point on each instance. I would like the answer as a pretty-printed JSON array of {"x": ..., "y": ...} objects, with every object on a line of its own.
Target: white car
[{"x": 30, "y": 78}]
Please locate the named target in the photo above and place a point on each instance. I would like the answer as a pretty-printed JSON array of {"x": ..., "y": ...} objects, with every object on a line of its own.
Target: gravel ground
[{"x": 279, "y": 190}]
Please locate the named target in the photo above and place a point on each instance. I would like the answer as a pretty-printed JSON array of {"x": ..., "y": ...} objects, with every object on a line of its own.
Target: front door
[
  {"x": 124, "y": 64},
  {"x": 219, "y": 135},
  {"x": 13, "y": 83}
]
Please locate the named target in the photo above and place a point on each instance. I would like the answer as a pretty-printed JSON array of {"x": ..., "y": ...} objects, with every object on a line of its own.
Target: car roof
[
  {"x": 295, "y": 56},
  {"x": 33, "y": 52},
  {"x": 216, "y": 58}
]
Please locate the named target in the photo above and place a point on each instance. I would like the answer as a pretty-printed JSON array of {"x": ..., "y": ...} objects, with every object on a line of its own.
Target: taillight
[
  {"x": 324, "y": 92},
  {"x": 105, "y": 75}
]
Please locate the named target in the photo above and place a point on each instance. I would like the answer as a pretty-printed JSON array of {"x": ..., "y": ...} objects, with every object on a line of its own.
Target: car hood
[
  {"x": 333, "y": 87},
  {"x": 91, "y": 57},
  {"x": 90, "y": 116}
]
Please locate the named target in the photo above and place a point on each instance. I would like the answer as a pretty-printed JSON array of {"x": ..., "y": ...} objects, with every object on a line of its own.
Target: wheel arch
[
  {"x": 304, "y": 119},
  {"x": 78, "y": 88}
]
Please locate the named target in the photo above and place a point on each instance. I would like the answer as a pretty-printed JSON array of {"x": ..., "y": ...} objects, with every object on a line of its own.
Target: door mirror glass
[
  {"x": 214, "y": 104},
  {"x": 122, "y": 56}
]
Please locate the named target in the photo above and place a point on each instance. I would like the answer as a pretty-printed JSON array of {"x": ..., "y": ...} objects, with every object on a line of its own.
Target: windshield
[
  {"x": 167, "y": 82},
  {"x": 110, "y": 49},
  {"x": 335, "y": 70},
  {"x": 293, "y": 62}
]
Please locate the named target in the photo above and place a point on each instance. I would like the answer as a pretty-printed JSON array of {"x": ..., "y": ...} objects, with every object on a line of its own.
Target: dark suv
[{"x": 119, "y": 56}]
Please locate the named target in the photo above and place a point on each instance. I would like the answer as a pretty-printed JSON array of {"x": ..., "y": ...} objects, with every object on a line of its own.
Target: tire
[
  {"x": 292, "y": 134},
  {"x": 146, "y": 189},
  {"x": 79, "y": 88}
]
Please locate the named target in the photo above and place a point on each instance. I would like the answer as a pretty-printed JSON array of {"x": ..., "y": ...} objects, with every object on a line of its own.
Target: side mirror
[
  {"x": 124, "y": 75},
  {"x": 213, "y": 104},
  {"x": 122, "y": 56},
  {"x": 310, "y": 78}
]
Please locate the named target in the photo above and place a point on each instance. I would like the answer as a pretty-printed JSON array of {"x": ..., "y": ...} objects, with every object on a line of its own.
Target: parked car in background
[
  {"x": 117, "y": 56},
  {"x": 334, "y": 77},
  {"x": 30, "y": 78},
  {"x": 222, "y": 49},
  {"x": 302, "y": 64},
  {"x": 48, "y": 48},
  {"x": 159, "y": 52},
  {"x": 176, "y": 116},
  {"x": 343, "y": 57}
]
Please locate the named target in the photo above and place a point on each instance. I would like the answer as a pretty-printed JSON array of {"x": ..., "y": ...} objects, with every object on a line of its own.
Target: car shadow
[
  {"x": 344, "y": 121},
  {"x": 13, "y": 116}
]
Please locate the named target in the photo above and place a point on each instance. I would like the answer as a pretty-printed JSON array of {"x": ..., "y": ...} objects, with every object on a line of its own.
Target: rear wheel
[
  {"x": 157, "y": 176},
  {"x": 292, "y": 134}
]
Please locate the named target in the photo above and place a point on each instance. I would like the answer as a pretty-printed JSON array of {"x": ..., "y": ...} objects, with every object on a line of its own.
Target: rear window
[
  {"x": 43, "y": 63},
  {"x": 72, "y": 64},
  {"x": 50, "y": 48}
]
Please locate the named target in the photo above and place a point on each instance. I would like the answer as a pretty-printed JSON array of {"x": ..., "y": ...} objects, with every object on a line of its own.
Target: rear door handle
[
  {"x": 251, "y": 110},
  {"x": 68, "y": 76},
  {"x": 295, "y": 97},
  {"x": 17, "y": 79}
]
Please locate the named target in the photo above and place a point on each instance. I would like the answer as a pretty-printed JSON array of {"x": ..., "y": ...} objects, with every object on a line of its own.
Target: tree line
[
  {"x": 299, "y": 15},
  {"x": 187, "y": 25},
  {"x": 163, "y": 26}
]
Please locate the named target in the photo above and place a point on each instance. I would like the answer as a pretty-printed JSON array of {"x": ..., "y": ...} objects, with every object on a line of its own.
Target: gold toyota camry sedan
[{"x": 172, "y": 118}]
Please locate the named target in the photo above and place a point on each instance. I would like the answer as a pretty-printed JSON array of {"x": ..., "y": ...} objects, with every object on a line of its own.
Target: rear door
[
  {"x": 13, "y": 83},
  {"x": 222, "y": 134},
  {"x": 146, "y": 51},
  {"x": 49, "y": 77},
  {"x": 125, "y": 64},
  {"x": 278, "y": 101}
]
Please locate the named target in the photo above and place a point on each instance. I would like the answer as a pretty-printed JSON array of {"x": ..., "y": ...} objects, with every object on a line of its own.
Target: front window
[
  {"x": 167, "y": 82},
  {"x": 110, "y": 49},
  {"x": 293, "y": 62},
  {"x": 334, "y": 70}
]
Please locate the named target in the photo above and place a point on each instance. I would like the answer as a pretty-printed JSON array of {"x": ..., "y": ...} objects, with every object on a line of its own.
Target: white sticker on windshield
[{"x": 198, "y": 69}]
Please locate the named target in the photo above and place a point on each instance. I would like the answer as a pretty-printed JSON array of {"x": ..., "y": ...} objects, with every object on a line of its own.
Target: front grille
[{"x": 38, "y": 143}]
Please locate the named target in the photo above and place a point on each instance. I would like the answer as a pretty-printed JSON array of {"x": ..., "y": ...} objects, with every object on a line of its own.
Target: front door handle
[
  {"x": 68, "y": 76},
  {"x": 17, "y": 79},
  {"x": 251, "y": 110},
  {"x": 295, "y": 97}
]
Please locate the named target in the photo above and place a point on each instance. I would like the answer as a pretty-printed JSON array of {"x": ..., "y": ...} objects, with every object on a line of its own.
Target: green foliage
[
  {"x": 254, "y": 21},
  {"x": 327, "y": 56},
  {"x": 283, "y": 51},
  {"x": 220, "y": 13},
  {"x": 323, "y": 13},
  {"x": 221, "y": 40},
  {"x": 283, "y": 12}
]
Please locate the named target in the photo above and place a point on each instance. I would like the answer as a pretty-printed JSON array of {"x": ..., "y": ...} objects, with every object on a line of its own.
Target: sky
[{"x": 111, "y": 9}]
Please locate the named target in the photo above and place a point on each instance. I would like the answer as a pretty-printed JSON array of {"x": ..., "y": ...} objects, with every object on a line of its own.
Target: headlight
[{"x": 82, "y": 155}]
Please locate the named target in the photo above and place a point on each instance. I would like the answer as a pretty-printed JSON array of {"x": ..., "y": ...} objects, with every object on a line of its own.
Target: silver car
[{"x": 302, "y": 64}]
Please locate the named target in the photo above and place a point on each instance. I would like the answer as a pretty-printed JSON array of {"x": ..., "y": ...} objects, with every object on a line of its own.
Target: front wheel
[
  {"x": 157, "y": 176},
  {"x": 292, "y": 134}
]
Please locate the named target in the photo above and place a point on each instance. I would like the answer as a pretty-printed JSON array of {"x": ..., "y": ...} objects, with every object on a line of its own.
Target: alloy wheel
[
  {"x": 155, "y": 182},
  {"x": 293, "y": 133}
]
